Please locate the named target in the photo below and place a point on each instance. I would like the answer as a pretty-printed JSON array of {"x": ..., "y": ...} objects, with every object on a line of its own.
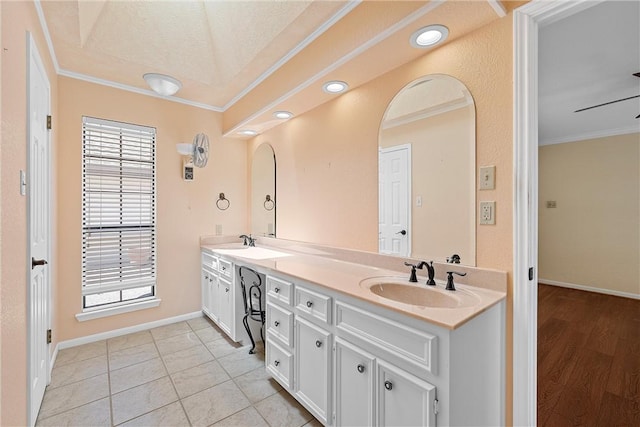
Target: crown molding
[
  {"x": 338, "y": 63},
  {"x": 137, "y": 90},
  {"x": 498, "y": 7},
  {"x": 591, "y": 135}
]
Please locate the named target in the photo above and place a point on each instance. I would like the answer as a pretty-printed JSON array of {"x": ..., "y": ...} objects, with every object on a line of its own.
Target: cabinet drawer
[
  {"x": 209, "y": 261},
  {"x": 403, "y": 342},
  {"x": 313, "y": 304},
  {"x": 279, "y": 289},
  {"x": 225, "y": 268},
  {"x": 280, "y": 324},
  {"x": 279, "y": 363}
]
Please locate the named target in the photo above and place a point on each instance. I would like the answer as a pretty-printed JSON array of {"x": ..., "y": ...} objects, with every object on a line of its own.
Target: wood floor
[{"x": 588, "y": 359}]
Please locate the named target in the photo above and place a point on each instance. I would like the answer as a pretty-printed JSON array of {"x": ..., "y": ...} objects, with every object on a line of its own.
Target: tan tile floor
[{"x": 182, "y": 374}]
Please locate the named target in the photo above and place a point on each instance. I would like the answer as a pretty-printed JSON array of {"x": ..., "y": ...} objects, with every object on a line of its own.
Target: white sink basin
[
  {"x": 253, "y": 252},
  {"x": 419, "y": 294}
]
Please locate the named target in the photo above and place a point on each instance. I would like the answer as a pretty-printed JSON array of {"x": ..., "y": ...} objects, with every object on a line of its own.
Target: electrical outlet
[
  {"x": 488, "y": 178},
  {"x": 487, "y": 213}
]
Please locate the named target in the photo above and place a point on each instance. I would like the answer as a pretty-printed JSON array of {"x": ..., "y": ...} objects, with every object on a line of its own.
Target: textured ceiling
[
  {"x": 587, "y": 59},
  {"x": 249, "y": 58},
  {"x": 215, "y": 48}
]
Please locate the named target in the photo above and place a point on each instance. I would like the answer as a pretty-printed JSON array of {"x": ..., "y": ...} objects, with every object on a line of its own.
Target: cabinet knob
[
  {"x": 276, "y": 323},
  {"x": 226, "y": 289},
  {"x": 276, "y": 362},
  {"x": 224, "y": 268},
  {"x": 276, "y": 290},
  {"x": 309, "y": 304},
  {"x": 318, "y": 343},
  {"x": 206, "y": 277},
  {"x": 361, "y": 368},
  {"x": 211, "y": 279},
  {"x": 388, "y": 385}
]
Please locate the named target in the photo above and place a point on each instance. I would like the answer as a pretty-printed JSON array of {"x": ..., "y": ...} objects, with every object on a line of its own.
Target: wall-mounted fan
[
  {"x": 198, "y": 150},
  {"x": 612, "y": 102}
]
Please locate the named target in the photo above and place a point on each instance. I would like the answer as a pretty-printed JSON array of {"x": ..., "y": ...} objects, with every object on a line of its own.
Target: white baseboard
[
  {"x": 589, "y": 288},
  {"x": 123, "y": 331}
]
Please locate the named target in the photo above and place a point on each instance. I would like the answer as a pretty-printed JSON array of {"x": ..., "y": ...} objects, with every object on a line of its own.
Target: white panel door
[
  {"x": 394, "y": 198},
  {"x": 38, "y": 218}
]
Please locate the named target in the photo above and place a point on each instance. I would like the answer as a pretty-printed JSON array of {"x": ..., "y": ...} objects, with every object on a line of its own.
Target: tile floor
[{"x": 182, "y": 374}]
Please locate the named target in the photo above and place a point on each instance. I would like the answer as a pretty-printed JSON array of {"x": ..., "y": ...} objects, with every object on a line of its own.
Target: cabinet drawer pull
[
  {"x": 309, "y": 304},
  {"x": 226, "y": 289},
  {"x": 211, "y": 279},
  {"x": 318, "y": 343},
  {"x": 388, "y": 385},
  {"x": 224, "y": 268},
  {"x": 361, "y": 368},
  {"x": 276, "y": 290},
  {"x": 206, "y": 277},
  {"x": 276, "y": 323},
  {"x": 276, "y": 362}
]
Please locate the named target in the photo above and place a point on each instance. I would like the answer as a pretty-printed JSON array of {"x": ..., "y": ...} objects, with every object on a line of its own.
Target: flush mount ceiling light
[
  {"x": 248, "y": 132},
  {"x": 282, "y": 115},
  {"x": 335, "y": 86},
  {"x": 429, "y": 36},
  {"x": 161, "y": 84}
]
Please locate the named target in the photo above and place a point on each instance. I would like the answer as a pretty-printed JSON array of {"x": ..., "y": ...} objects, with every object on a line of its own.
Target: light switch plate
[
  {"x": 488, "y": 178},
  {"x": 487, "y": 213}
]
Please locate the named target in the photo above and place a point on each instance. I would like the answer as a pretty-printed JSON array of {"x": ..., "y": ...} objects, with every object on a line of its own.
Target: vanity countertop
[{"x": 315, "y": 266}]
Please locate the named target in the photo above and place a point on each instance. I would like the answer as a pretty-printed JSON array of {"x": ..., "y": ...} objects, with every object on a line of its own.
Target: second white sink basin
[
  {"x": 253, "y": 252},
  {"x": 419, "y": 294}
]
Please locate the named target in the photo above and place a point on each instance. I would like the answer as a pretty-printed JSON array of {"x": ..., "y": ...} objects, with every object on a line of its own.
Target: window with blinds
[{"x": 118, "y": 213}]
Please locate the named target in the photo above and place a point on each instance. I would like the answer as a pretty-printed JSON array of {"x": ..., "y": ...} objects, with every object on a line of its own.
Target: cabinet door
[
  {"x": 354, "y": 375},
  {"x": 204, "y": 283},
  {"x": 225, "y": 300},
  {"x": 312, "y": 361},
  {"x": 403, "y": 399}
]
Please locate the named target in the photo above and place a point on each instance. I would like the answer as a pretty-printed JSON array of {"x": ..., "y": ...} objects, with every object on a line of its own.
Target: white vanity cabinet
[
  {"x": 354, "y": 363},
  {"x": 221, "y": 301}
]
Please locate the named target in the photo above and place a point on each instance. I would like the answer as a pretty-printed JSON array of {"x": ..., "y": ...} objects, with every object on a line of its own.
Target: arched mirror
[
  {"x": 263, "y": 192},
  {"x": 427, "y": 172}
]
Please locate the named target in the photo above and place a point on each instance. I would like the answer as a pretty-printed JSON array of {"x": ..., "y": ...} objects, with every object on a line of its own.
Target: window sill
[{"x": 112, "y": 311}]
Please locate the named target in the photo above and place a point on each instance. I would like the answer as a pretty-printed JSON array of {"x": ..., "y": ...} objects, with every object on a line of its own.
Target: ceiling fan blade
[{"x": 606, "y": 103}]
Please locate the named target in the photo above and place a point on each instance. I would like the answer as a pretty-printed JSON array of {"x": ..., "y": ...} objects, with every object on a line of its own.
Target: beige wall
[
  {"x": 442, "y": 173},
  {"x": 592, "y": 237},
  {"x": 327, "y": 158},
  {"x": 17, "y": 19},
  {"x": 185, "y": 210}
]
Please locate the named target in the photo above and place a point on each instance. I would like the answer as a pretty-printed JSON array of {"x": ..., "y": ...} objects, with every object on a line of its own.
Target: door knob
[
  {"x": 403, "y": 232},
  {"x": 35, "y": 262}
]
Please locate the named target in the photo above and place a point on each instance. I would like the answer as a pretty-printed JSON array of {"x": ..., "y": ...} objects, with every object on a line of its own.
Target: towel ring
[
  {"x": 269, "y": 204},
  {"x": 222, "y": 199}
]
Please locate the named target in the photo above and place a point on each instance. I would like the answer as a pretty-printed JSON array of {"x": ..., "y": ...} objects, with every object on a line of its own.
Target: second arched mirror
[
  {"x": 263, "y": 192},
  {"x": 427, "y": 172}
]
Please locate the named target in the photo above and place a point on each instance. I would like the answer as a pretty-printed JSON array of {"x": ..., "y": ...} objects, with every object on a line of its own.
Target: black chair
[{"x": 251, "y": 284}]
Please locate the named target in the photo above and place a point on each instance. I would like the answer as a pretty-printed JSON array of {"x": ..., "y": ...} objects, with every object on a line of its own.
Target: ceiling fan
[{"x": 613, "y": 102}]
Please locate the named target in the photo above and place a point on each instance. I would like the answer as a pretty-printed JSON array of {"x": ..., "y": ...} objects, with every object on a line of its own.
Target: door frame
[
  {"x": 34, "y": 54},
  {"x": 526, "y": 23},
  {"x": 409, "y": 226}
]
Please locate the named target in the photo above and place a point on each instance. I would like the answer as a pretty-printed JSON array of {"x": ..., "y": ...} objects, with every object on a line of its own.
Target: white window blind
[{"x": 118, "y": 212}]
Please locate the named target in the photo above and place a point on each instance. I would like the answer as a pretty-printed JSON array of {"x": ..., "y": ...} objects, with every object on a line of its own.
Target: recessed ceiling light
[
  {"x": 162, "y": 84},
  {"x": 248, "y": 132},
  {"x": 429, "y": 36},
  {"x": 282, "y": 115},
  {"x": 335, "y": 86}
]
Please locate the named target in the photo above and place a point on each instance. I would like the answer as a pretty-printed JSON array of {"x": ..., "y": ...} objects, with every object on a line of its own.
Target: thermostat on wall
[{"x": 187, "y": 170}]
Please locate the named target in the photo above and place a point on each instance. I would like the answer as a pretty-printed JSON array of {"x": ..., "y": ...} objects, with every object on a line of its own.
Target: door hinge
[
  {"x": 48, "y": 336},
  {"x": 436, "y": 407},
  {"x": 48, "y": 122},
  {"x": 530, "y": 273}
]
